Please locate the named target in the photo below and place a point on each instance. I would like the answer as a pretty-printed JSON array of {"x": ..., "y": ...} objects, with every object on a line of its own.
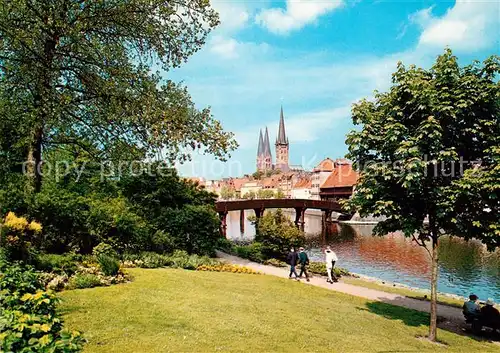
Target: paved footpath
[{"x": 445, "y": 311}]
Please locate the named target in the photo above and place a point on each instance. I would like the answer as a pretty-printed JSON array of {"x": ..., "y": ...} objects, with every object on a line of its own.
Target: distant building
[
  {"x": 319, "y": 175},
  {"x": 302, "y": 189},
  {"x": 250, "y": 187},
  {"x": 340, "y": 183}
]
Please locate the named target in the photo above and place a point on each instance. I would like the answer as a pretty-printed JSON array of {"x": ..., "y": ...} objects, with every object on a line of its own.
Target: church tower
[
  {"x": 260, "y": 149},
  {"x": 282, "y": 146},
  {"x": 264, "y": 157},
  {"x": 268, "y": 158}
]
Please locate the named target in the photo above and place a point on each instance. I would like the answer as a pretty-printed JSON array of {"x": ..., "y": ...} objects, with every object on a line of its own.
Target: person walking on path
[
  {"x": 330, "y": 259},
  {"x": 292, "y": 259},
  {"x": 304, "y": 261}
]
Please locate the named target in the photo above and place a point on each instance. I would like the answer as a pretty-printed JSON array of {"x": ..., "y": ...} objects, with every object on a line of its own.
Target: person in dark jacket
[
  {"x": 490, "y": 316},
  {"x": 292, "y": 259},
  {"x": 303, "y": 261}
]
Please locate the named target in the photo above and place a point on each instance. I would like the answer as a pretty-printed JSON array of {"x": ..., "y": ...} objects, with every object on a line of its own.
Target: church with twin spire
[{"x": 264, "y": 156}]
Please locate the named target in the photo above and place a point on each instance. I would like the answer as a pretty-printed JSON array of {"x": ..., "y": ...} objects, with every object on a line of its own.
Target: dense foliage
[
  {"x": 428, "y": 154},
  {"x": 140, "y": 212},
  {"x": 277, "y": 233},
  {"x": 28, "y": 318},
  {"x": 81, "y": 75}
]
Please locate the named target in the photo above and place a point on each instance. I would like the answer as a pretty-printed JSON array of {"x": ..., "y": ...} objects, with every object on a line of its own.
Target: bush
[
  {"x": 18, "y": 237},
  {"x": 84, "y": 280},
  {"x": 320, "y": 269},
  {"x": 179, "y": 259},
  {"x": 275, "y": 262},
  {"x": 225, "y": 245},
  {"x": 108, "y": 264},
  {"x": 252, "y": 251},
  {"x": 29, "y": 321},
  {"x": 59, "y": 264},
  {"x": 277, "y": 234},
  {"x": 104, "y": 249}
]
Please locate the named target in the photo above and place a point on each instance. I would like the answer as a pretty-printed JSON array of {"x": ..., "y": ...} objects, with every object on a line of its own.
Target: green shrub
[
  {"x": 275, "y": 262},
  {"x": 60, "y": 264},
  {"x": 320, "y": 269},
  {"x": 84, "y": 280},
  {"x": 179, "y": 259},
  {"x": 104, "y": 249},
  {"x": 109, "y": 265},
  {"x": 29, "y": 320},
  {"x": 252, "y": 251},
  {"x": 225, "y": 245},
  {"x": 277, "y": 234}
]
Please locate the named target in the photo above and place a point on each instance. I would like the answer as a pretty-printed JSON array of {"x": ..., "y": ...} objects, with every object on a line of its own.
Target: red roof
[
  {"x": 342, "y": 176},
  {"x": 303, "y": 184},
  {"x": 326, "y": 165},
  {"x": 239, "y": 182}
]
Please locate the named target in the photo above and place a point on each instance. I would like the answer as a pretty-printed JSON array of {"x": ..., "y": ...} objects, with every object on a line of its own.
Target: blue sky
[{"x": 317, "y": 57}]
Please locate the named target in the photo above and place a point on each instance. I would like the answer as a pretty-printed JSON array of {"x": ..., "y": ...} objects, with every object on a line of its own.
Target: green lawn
[{"x": 168, "y": 310}]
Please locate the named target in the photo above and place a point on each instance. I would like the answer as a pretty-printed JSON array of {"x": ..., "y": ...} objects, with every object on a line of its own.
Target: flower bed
[{"x": 227, "y": 268}]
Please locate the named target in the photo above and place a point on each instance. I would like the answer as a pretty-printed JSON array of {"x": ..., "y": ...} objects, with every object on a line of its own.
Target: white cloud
[
  {"x": 230, "y": 48},
  {"x": 467, "y": 26},
  {"x": 233, "y": 15},
  {"x": 298, "y": 13},
  {"x": 224, "y": 47}
]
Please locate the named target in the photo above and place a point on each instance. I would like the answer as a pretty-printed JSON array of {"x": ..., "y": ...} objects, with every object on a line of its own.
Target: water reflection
[{"x": 464, "y": 266}]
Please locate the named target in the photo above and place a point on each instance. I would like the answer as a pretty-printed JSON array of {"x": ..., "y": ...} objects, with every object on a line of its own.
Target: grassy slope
[{"x": 184, "y": 311}]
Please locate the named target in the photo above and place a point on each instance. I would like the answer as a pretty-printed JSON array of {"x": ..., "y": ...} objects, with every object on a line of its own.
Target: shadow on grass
[{"x": 393, "y": 310}]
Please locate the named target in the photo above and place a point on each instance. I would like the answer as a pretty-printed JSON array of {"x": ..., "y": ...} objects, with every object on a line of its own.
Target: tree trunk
[
  {"x": 434, "y": 277},
  {"x": 34, "y": 169}
]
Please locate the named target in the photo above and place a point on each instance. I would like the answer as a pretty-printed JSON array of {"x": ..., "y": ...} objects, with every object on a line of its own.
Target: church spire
[
  {"x": 260, "y": 148},
  {"x": 281, "y": 139},
  {"x": 267, "y": 147}
]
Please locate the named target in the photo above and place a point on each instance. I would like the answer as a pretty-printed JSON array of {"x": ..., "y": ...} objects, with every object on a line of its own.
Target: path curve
[{"x": 448, "y": 312}]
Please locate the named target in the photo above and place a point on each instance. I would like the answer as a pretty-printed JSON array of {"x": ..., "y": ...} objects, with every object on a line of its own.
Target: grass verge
[
  {"x": 166, "y": 310},
  {"x": 407, "y": 292}
]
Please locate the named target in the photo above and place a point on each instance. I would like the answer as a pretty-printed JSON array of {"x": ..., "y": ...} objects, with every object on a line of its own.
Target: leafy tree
[
  {"x": 249, "y": 195},
  {"x": 258, "y": 175},
  {"x": 277, "y": 233},
  {"x": 227, "y": 193},
  {"x": 81, "y": 74},
  {"x": 265, "y": 194},
  {"x": 429, "y": 157},
  {"x": 280, "y": 194}
]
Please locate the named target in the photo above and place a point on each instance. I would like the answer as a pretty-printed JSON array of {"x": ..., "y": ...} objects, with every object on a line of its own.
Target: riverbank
[
  {"x": 451, "y": 313},
  {"x": 169, "y": 310}
]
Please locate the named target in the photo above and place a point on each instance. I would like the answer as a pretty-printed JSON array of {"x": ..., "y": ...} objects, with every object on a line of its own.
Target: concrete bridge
[{"x": 260, "y": 205}]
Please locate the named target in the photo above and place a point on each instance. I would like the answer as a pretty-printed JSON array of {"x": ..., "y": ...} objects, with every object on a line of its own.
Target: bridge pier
[
  {"x": 242, "y": 221},
  {"x": 326, "y": 220},
  {"x": 259, "y": 212},
  {"x": 300, "y": 213},
  {"x": 223, "y": 223}
]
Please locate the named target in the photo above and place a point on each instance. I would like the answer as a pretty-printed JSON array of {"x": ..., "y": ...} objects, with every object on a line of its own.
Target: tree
[
  {"x": 279, "y": 194},
  {"x": 227, "y": 193},
  {"x": 81, "y": 74},
  {"x": 277, "y": 233},
  {"x": 265, "y": 194},
  {"x": 258, "y": 175},
  {"x": 428, "y": 156}
]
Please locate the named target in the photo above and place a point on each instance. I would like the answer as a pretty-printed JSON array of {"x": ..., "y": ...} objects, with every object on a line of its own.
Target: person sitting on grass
[
  {"x": 304, "y": 261},
  {"x": 490, "y": 316},
  {"x": 471, "y": 308}
]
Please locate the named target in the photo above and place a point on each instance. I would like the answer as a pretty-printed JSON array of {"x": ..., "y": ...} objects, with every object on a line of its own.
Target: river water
[{"x": 465, "y": 267}]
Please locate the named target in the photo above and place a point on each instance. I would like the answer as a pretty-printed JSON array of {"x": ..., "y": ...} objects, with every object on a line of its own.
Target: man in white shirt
[{"x": 330, "y": 259}]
